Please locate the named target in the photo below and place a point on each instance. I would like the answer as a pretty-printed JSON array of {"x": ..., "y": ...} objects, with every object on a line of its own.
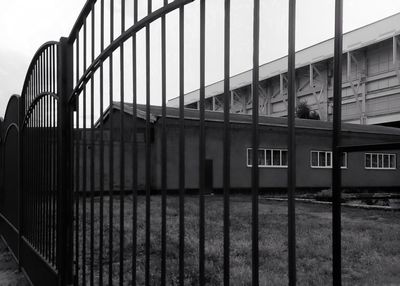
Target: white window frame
[
  {"x": 265, "y": 157},
  {"x": 382, "y": 155},
  {"x": 331, "y": 159}
]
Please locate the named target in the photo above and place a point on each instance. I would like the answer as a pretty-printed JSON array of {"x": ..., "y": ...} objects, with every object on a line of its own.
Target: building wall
[{"x": 271, "y": 137}]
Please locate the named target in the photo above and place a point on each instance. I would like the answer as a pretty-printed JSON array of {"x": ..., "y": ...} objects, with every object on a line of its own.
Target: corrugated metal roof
[
  {"x": 214, "y": 116},
  {"x": 353, "y": 40}
]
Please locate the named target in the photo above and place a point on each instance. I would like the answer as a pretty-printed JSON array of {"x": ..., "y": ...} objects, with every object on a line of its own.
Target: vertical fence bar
[
  {"x": 32, "y": 179},
  {"x": 51, "y": 170},
  {"x": 163, "y": 152},
  {"x": 36, "y": 112},
  {"x": 65, "y": 238},
  {"x": 92, "y": 45},
  {"x": 41, "y": 159},
  {"x": 39, "y": 166},
  {"x": 111, "y": 153},
  {"x": 43, "y": 185},
  {"x": 77, "y": 167},
  {"x": 101, "y": 230},
  {"x": 29, "y": 176},
  {"x": 148, "y": 150},
  {"x": 38, "y": 162},
  {"x": 134, "y": 147},
  {"x": 39, "y": 170},
  {"x": 31, "y": 183},
  {"x": 291, "y": 144},
  {"x": 32, "y": 188},
  {"x": 122, "y": 152},
  {"x": 54, "y": 159},
  {"x": 21, "y": 176},
  {"x": 336, "y": 172},
  {"x": 54, "y": 179},
  {"x": 36, "y": 178},
  {"x": 48, "y": 167},
  {"x": 44, "y": 171},
  {"x": 202, "y": 143},
  {"x": 101, "y": 227},
  {"x": 84, "y": 165},
  {"x": 27, "y": 173},
  {"x": 181, "y": 146},
  {"x": 34, "y": 134},
  {"x": 47, "y": 141},
  {"x": 255, "y": 133},
  {"x": 33, "y": 153},
  {"x": 227, "y": 141}
]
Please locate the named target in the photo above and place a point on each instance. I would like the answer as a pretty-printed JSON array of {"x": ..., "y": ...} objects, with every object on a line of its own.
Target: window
[
  {"x": 268, "y": 157},
  {"x": 323, "y": 159},
  {"x": 380, "y": 161}
]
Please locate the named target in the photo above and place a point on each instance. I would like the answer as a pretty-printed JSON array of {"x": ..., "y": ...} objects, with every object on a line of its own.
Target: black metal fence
[{"x": 66, "y": 200}]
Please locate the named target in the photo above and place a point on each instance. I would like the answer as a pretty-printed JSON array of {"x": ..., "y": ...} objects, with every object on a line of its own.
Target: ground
[
  {"x": 370, "y": 245},
  {"x": 9, "y": 274}
]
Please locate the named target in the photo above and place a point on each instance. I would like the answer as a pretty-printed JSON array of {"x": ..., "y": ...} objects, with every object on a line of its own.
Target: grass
[{"x": 370, "y": 245}]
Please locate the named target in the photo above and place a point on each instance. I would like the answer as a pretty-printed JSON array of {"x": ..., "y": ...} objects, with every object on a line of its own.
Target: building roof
[
  {"x": 353, "y": 40},
  {"x": 128, "y": 108},
  {"x": 215, "y": 116}
]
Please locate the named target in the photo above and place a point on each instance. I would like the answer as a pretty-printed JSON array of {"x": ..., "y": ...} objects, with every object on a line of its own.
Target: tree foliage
[{"x": 303, "y": 111}]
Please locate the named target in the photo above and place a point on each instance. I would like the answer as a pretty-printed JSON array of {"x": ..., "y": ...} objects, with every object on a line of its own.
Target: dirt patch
[{"x": 9, "y": 274}]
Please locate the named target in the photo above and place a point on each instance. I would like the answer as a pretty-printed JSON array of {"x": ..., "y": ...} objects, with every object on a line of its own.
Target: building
[
  {"x": 314, "y": 159},
  {"x": 371, "y": 79}
]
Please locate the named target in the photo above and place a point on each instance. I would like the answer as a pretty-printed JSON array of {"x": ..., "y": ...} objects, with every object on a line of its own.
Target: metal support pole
[
  {"x": 65, "y": 194},
  {"x": 292, "y": 143},
  {"x": 336, "y": 172}
]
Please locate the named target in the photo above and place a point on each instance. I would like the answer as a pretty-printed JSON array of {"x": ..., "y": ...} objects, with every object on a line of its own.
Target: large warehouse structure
[{"x": 371, "y": 79}]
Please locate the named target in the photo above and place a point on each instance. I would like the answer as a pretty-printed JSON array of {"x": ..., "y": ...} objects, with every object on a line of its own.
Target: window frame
[
  {"x": 382, "y": 156},
  {"x": 265, "y": 150},
  {"x": 331, "y": 159}
]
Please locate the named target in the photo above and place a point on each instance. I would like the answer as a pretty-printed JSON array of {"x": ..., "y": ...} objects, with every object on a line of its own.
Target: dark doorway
[{"x": 209, "y": 176}]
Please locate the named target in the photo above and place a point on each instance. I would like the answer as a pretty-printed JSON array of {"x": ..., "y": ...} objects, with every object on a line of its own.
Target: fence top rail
[
  {"x": 38, "y": 53},
  {"x": 121, "y": 39},
  {"x": 9, "y": 115},
  {"x": 81, "y": 20},
  {"x": 34, "y": 103}
]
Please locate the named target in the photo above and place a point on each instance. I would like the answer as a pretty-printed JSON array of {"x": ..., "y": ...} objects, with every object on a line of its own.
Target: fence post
[
  {"x": 336, "y": 130},
  {"x": 65, "y": 199},
  {"x": 21, "y": 115}
]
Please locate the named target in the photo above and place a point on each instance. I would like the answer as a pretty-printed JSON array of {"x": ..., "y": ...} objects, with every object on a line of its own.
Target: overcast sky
[{"x": 25, "y": 25}]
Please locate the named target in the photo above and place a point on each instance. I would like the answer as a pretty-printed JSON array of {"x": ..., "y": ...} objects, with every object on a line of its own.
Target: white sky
[{"x": 25, "y": 25}]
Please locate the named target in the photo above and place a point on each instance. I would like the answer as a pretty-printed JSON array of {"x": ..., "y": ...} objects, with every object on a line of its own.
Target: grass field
[{"x": 370, "y": 245}]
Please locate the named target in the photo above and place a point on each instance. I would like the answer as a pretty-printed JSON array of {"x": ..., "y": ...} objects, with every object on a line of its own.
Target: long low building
[
  {"x": 313, "y": 149},
  {"x": 371, "y": 79}
]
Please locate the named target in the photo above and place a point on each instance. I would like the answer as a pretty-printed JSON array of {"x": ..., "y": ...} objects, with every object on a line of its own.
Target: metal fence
[{"x": 68, "y": 221}]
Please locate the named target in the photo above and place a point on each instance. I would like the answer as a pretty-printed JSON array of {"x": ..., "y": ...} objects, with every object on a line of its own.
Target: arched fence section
[
  {"x": 40, "y": 164},
  {"x": 30, "y": 156},
  {"x": 9, "y": 196}
]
